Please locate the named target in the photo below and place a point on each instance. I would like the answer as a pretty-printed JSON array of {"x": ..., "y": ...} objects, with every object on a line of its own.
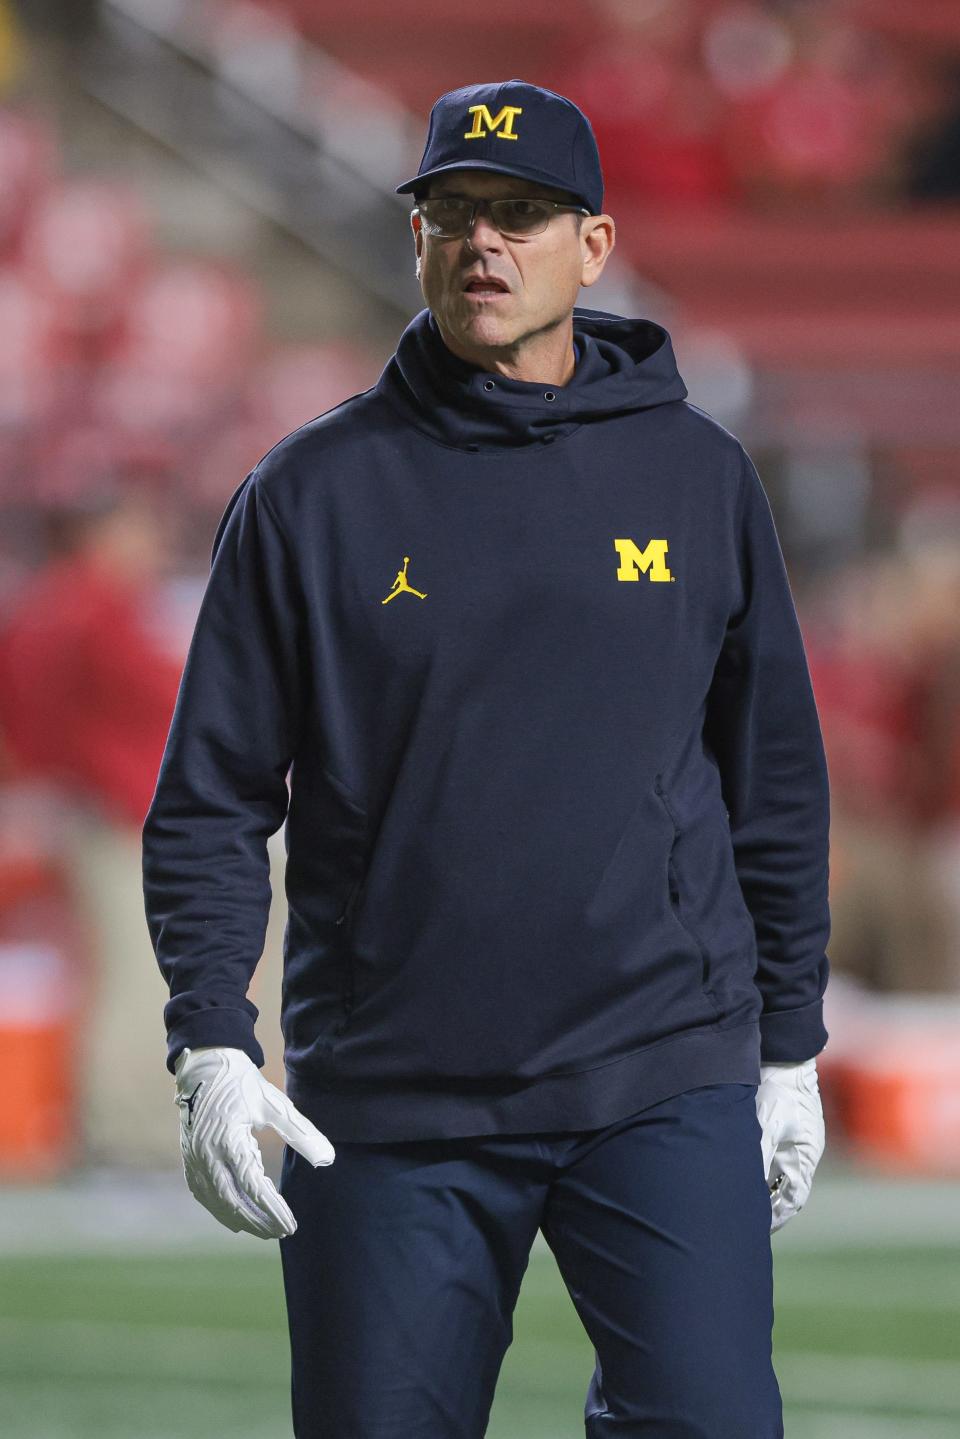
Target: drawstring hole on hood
[
  {"x": 488, "y": 384},
  {"x": 549, "y": 395}
]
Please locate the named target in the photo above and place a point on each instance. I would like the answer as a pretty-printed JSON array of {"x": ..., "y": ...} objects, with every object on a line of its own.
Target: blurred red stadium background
[{"x": 200, "y": 249}]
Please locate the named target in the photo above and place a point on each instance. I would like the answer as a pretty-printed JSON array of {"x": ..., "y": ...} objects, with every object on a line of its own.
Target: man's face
[{"x": 543, "y": 273}]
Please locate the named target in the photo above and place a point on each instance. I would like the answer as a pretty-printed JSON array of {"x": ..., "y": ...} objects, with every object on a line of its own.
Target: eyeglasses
[{"x": 448, "y": 216}]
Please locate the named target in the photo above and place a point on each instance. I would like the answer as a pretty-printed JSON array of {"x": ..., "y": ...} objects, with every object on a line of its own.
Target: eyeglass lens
[{"x": 450, "y": 214}]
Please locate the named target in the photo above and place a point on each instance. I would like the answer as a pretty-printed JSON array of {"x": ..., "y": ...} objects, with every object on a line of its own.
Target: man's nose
[{"x": 481, "y": 229}]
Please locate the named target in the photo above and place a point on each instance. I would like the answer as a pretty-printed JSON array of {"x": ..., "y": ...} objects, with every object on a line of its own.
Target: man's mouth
[{"x": 485, "y": 286}]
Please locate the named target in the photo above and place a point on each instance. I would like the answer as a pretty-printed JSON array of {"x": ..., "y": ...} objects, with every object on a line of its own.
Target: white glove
[
  {"x": 222, "y": 1095},
  {"x": 793, "y": 1136}
]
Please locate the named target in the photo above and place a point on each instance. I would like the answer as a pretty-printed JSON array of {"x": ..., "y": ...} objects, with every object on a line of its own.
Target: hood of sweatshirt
[{"x": 622, "y": 365}]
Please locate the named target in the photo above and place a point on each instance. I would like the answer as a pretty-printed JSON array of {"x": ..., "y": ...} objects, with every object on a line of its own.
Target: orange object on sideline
[
  {"x": 894, "y": 1079},
  {"x": 36, "y": 1122}
]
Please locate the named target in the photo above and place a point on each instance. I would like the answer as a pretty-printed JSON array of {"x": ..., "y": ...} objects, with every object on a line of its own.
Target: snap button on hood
[{"x": 622, "y": 365}]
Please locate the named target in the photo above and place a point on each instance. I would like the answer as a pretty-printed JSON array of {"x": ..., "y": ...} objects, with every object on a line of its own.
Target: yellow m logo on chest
[
  {"x": 482, "y": 117},
  {"x": 633, "y": 561}
]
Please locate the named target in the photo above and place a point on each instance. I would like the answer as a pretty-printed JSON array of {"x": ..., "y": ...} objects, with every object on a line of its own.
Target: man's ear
[{"x": 596, "y": 246}]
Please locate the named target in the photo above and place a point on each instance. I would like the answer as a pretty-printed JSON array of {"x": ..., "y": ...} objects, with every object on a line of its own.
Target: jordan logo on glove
[{"x": 190, "y": 1101}]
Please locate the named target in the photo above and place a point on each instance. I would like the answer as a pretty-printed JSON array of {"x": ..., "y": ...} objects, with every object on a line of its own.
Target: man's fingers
[
  {"x": 217, "y": 1182},
  {"x": 795, "y": 1172},
  {"x": 779, "y": 1215},
  {"x": 282, "y": 1115},
  {"x": 767, "y": 1150},
  {"x": 769, "y": 1139},
  {"x": 787, "y": 1201},
  {"x": 219, "y": 1205},
  {"x": 244, "y": 1211},
  {"x": 257, "y": 1190}
]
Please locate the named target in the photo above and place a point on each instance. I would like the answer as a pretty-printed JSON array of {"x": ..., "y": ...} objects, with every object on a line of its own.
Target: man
[
  {"x": 556, "y": 840},
  {"x": 86, "y": 695}
]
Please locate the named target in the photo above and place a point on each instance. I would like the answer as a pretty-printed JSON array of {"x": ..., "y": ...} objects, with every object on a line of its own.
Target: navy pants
[{"x": 403, "y": 1274}]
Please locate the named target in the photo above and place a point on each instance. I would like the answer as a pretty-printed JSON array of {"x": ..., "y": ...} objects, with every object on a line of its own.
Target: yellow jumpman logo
[{"x": 400, "y": 584}]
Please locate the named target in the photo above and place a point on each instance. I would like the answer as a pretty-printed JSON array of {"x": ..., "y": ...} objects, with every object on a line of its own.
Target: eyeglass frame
[{"x": 476, "y": 201}]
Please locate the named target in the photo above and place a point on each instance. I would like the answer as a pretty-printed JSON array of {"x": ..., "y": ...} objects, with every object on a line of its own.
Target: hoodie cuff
[
  {"x": 226, "y": 1028},
  {"x": 789, "y": 1036}
]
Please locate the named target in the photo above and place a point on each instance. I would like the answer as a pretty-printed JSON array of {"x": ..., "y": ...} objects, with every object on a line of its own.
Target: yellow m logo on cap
[{"x": 481, "y": 116}]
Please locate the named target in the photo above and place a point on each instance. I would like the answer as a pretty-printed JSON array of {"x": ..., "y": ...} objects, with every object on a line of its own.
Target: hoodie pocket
[
  {"x": 677, "y": 901},
  {"x": 344, "y": 924},
  {"x": 327, "y": 870}
]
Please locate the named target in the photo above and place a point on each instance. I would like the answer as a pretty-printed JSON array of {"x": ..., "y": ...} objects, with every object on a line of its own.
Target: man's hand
[
  {"x": 222, "y": 1095},
  {"x": 791, "y": 1118}
]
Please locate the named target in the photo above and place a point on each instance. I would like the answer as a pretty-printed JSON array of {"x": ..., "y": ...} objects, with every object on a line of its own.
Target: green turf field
[{"x": 114, "y": 1343}]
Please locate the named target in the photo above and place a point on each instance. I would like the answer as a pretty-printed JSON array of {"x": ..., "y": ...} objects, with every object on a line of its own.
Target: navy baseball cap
[{"x": 517, "y": 129}]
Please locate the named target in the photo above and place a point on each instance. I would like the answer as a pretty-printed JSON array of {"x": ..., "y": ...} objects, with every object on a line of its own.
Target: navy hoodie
[{"x": 520, "y": 668}]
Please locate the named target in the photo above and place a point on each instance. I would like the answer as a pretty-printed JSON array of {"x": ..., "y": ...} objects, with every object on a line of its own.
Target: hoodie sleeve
[
  {"x": 763, "y": 726},
  {"x": 222, "y": 784}
]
